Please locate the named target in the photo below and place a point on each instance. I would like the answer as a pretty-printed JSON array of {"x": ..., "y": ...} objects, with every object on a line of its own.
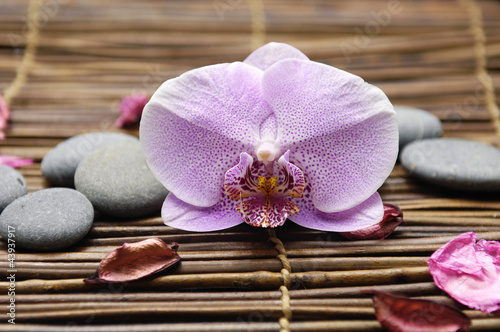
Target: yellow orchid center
[
  {"x": 267, "y": 185},
  {"x": 263, "y": 202}
]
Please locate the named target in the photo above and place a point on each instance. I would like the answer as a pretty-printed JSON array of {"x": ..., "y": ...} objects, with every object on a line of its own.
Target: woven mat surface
[{"x": 87, "y": 55}]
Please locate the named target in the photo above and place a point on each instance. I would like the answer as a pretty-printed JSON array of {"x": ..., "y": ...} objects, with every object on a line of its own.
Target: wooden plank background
[{"x": 89, "y": 54}]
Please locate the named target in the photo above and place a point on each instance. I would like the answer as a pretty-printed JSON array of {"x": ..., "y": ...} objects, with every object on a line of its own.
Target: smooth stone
[
  {"x": 118, "y": 182},
  {"x": 12, "y": 186},
  {"x": 59, "y": 165},
  {"x": 416, "y": 124},
  {"x": 454, "y": 163},
  {"x": 48, "y": 219}
]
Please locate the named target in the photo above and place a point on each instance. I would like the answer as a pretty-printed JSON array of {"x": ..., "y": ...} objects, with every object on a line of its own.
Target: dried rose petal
[
  {"x": 4, "y": 116},
  {"x": 14, "y": 161},
  {"x": 131, "y": 108},
  {"x": 469, "y": 271},
  {"x": 399, "y": 313},
  {"x": 393, "y": 217},
  {"x": 135, "y": 260}
]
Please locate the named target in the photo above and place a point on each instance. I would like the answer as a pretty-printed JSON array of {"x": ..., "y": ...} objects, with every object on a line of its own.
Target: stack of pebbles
[{"x": 96, "y": 171}]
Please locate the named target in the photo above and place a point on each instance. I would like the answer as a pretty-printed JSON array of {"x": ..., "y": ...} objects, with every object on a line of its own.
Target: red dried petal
[
  {"x": 136, "y": 260},
  {"x": 401, "y": 314},
  {"x": 393, "y": 217}
]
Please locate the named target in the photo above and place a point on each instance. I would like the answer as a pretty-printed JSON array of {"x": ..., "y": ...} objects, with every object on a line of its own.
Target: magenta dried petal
[
  {"x": 393, "y": 217},
  {"x": 136, "y": 260},
  {"x": 341, "y": 131},
  {"x": 401, "y": 314},
  {"x": 131, "y": 108},
  {"x": 469, "y": 271},
  {"x": 4, "y": 116},
  {"x": 14, "y": 161},
  {"x": 491, "y": 247}
]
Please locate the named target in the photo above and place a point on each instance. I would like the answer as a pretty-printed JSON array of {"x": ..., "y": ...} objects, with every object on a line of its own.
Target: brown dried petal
[
  {"x": 393, "y": 217},
  {"x": 401, "y": 314},
  {"x": 135, "y": 260}
]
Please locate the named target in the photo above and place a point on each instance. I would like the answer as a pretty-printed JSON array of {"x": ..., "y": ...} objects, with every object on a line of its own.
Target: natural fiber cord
[
  {"x": 33, "y": 23},
  {"x": 477, "y": 30},
  {"x": 258, "y": 39},
  {"x": 285, "y": 272}
]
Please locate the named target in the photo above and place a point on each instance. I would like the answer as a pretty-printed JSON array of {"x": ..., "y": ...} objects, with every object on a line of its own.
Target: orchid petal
[
  {"x": 341, "y": 131},
  {"x": 363, "y": 215},
  {"x": 179, "y": 214},
  {"x": 239, "y": 182},
  {"x": 292, "y": 179},
  {"x": 195, "y": 127},
  {"x": 269, "y": 128},
  {"x": 260, "y": 212},
  {"x": 267, "y": 55}
]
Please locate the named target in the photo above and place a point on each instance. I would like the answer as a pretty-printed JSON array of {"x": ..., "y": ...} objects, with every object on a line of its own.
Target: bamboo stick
[
  {"x": 57, "y": 270},
  {"x": 245, "y": 325},
  {"x": 252, "y": 280},
  {"x": 395, "y": 250},
  {"x": 332, "y": 296},
  {"x": 149, "y": 327},
  {"x": 311, "y": 240}
]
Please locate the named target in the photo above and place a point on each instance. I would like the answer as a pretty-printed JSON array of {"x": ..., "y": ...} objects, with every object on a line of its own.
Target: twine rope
[
  {"x": 285, "y": 273},
  {"x": 257, "y": 39},
  {"x": 32, "y": 38},
  {"x": 258, "y": 23},
  {"x": 477, "y": 30}
]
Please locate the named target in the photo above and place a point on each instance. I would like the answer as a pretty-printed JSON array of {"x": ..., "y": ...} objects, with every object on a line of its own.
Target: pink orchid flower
[
  {"x": 276, "y": 136},
  {"x": 469, "y": 271}
]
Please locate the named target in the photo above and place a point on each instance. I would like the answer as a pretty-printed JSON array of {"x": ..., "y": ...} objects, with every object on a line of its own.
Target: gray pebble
[
  {"x": 454, "y": 163},
  {"x": 415, "y": 124},
  {"x": 47, "y": 219},
  {"x": 118, "y": 182},
  {"x": 12, "y": 186},
  {"x": 59, "y": 165}
]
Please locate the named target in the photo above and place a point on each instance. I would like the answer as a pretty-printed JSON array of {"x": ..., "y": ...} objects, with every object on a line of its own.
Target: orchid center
[
  {"x": 263, "y": 202},
  {"x": 267, "y": 152},
  {"x": 267, "y": 185}
]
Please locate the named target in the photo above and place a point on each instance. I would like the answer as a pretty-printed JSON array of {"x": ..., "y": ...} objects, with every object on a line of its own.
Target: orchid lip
[{"x": 264, "y": 204}]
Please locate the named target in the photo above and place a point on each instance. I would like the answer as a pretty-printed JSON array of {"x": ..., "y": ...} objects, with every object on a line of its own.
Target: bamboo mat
[{"x": 439, "y": 55}]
